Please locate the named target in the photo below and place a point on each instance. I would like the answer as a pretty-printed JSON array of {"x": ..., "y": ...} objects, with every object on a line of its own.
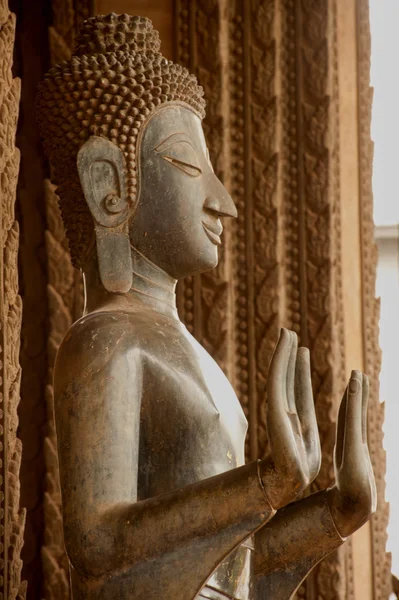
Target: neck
[{"x": 151, "y": 286}]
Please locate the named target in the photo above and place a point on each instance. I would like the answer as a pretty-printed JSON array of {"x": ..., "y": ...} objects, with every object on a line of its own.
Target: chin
[{"x": 209, "y": 262}]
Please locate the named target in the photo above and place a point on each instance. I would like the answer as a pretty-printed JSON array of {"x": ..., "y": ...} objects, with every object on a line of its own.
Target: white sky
[{"x": 384, "y": 15}]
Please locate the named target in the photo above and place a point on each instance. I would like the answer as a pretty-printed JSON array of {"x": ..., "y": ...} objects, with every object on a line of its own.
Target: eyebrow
[{"x": 175, "y": 138}]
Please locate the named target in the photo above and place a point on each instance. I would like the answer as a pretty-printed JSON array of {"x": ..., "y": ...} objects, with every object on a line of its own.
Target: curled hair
[{"x": 114, "y": 81}]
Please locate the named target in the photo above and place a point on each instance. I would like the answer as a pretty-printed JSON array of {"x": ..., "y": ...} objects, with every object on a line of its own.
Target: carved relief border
[
  {"x": 214, "y": 294},
  {"x": 61, "y": 299},
  {"x": 312, "y": 225},
  {"x": 261, "y": 211},
  {"x": 204, "y": 300},
  {"x": 267, "y": 200},
  {"x": 12, "y": 519},
  {"x": 240, "y": 142},
  {"x": 183, "y": 51},
  {"x": 64, "y": 293},
  {"x": 339, "y": 341},
  {"x": 371, "y": 349}
]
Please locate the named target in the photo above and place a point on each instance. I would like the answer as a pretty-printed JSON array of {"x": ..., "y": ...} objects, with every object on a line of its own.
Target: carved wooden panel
[
  {"x": 271, "y": 83},
  {"x": 12, "y": 518},
  {"x": 65, "y": 300},
  {"x": 371, "y": 310},
  {"x": 61, "y": 299},
  {"x": 312, "y": 223},
  {"x": 31, "y": 33},
  {"x": 205, "y": 301},
  {"x": 281, "y": 163}
]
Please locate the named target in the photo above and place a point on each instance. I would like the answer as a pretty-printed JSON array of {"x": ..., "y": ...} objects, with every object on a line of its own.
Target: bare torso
[{"x": 192, "y": 426}]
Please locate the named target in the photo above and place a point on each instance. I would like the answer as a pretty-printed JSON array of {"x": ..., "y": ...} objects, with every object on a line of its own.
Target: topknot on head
[{"x": 117, "y": 33}]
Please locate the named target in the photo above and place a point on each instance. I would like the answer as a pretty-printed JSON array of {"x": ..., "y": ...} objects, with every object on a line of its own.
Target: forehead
[{"x": 168, "y": 121}]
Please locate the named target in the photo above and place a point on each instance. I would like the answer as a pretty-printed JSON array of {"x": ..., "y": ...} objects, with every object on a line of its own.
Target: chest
[{"x": 191, "y": 418}]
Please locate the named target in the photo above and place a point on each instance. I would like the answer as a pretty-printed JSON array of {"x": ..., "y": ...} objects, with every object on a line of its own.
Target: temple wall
[
  {"x": 351, "y": 247},
  {"x": 288, "y": 126},
  {"x": 12, "y": 518}
]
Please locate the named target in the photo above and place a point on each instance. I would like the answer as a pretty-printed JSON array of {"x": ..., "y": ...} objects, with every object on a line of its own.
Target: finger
[
  {"x": 291, "y": 373},
  {"x": 280, "y": 435},
  {"x": 340, "y": 436},
  {"x": 353, "y": 440},
  {"x": 373, "y": 486},
  {"x": 306, "y": 411},
  {"x": 277, "y": 376},
  {"x": 356, "y": 482},
  {"x": 365, "y": 399}
]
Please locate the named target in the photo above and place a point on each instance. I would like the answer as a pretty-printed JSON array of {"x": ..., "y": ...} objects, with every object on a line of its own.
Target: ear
[{"x": 101, "y": 168}]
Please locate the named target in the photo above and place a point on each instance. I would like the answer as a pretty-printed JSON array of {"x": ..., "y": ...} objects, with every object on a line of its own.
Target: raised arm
[{"x": 98, "y": 387}]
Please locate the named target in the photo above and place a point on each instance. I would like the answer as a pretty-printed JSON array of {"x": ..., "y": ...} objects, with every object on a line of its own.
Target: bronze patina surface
[{"x": 157, "y": 499}]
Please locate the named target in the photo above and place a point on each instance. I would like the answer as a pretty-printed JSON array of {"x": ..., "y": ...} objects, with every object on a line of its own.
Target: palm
[
  {"x": 294, "y": 458},
  {"x": 353, "y": 499}
]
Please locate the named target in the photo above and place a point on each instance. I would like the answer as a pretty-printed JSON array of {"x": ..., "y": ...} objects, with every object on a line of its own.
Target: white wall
[{"x": 388, "y": 290}]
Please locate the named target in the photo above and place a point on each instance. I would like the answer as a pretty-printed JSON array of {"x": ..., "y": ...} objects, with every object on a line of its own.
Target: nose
[{"x": 219, "y": 201}]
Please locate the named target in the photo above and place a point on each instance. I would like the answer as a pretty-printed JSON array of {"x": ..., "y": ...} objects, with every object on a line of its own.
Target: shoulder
[
  {"x": 94, "y": 330},
  {"x": 97, "y": 342}
]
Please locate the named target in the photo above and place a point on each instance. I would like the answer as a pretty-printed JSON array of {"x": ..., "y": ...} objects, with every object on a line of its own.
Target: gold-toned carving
[
  {"x": 312, "y": 274},
  {"x": 64, "y": 302},
  {"x": 61, "y": 297},
  {"x": 266, "y": 216},
  {"x": 239, "y": 117},
  {"x": 60, "y": 293},
  {"x": 12, "y": 518},
  {"x": 215, "y": 302},
  {"x": 371, "y": 350}
]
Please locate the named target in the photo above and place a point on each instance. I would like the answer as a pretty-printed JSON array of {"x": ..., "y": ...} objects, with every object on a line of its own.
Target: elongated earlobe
[
  {"x": 114, "y": 258},
  {"x": 101, "y": 169}
]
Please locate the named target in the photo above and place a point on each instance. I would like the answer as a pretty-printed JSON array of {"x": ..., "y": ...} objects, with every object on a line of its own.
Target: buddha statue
[{"x": 158, "y": 502}]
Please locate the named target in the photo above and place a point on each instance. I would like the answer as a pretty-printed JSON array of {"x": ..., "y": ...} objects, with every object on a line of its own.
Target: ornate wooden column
[
  {"x": 12, "y": 518},
  {"x": 65, "y": 300},
  {"x": 287, "y": 84}
]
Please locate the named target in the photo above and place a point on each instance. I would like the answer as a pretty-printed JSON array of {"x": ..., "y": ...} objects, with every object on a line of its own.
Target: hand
[
  {"x": 295, "y": 456},
  {"x": 354, "y": 498}
]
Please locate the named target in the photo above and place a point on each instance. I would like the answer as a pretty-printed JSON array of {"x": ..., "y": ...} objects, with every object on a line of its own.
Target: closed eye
[{"x": 187, "y": 168}]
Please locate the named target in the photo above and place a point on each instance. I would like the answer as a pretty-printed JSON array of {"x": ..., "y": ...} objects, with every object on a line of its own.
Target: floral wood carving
[
  {"x": 65, "y": 299},
  {"x": 215, "y": 299},
  {"x": 264, "y": 189},
  {"x": 204, "y": 301},
  {"x": 371, "y": 309},
  {"x": 12, "y": 518},
  {"x": 312, "y": 271},
  {"x": 282, "y": 157},
  {"x": 61, "y": 298}
]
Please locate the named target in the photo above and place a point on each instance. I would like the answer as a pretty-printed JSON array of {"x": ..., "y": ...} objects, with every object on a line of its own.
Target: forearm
[
  {"x": 287, "y": 548},
  {"x": 215, "y": 514}
]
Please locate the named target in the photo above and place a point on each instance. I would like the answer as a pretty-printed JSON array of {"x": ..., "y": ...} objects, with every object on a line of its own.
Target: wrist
[
  {"x": 263, "y": 487},
  {"x": 334, "y": 503},
  {"x": 275, "y": 486}
]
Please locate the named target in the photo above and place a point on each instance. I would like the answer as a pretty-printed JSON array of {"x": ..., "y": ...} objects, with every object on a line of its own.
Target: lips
[{"x": 213, "y": 232}]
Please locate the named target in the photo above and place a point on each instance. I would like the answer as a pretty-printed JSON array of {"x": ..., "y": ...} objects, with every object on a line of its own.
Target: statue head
[{"x": 122, "y": 128}]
